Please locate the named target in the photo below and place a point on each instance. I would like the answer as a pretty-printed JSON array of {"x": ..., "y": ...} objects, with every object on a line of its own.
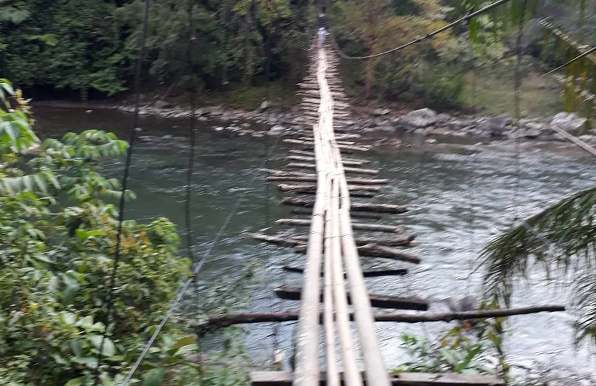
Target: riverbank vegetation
[
  {"x": 58, "y": 222},
  {"x": 58, "y": 232},
  {"x": 87, "y": 48}
]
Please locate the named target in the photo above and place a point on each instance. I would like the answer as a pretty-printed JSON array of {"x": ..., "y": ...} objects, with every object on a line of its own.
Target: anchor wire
[
  {"x": 429, "y": 35},
  {"x": 195, "y": 272},
  {"x": 517, "y": 83},
  {"x": 123, "y": 189},
  {"x": 191, "y": 136}
]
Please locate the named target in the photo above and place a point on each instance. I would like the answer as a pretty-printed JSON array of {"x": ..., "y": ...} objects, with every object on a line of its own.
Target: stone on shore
[
  {"x": 570, "y": 122},
  {"x": 418, "y": 119}
]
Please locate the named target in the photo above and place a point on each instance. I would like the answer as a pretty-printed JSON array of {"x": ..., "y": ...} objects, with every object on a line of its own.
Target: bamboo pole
[
  {"x": 307, "y": 348},
  {"x": 351, "y": 373},
  {"x": 376, "y": 373},
  {"x": 329, "y": 317}
]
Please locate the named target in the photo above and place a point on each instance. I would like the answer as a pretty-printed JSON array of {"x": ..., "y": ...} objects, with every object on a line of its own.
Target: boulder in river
[
  {"x": 496, "y": 126},
  {"x": 277, "y": 130},
  {"x": 381, "y": 112},
  {"x": 418, "y": 119},
  {"x": 264, "y": 105},
  {"x": 161, "y": 104},
  {"x": 591, "y": 139},
  {"x": 569, "y": 122}
]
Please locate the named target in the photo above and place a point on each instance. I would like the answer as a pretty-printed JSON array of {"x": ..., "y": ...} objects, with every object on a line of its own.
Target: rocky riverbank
[
  {"x": 384, "y": 123},
  {"x": 379, "y": 126}
]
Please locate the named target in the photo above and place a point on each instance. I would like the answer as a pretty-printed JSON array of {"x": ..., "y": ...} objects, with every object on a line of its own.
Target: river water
[{"x": 459, "y": 197}]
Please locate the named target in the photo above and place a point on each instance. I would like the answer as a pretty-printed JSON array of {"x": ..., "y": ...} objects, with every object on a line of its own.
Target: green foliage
[
  {"x": 555, "y": 47},
  {"x": 474, "y": 347},
  {"x": 57, "y": 241},
  {"x": 363, "y": 28},
  {"x": 88, "y": 45},
  {"x": 561, "y": 238},
  {"x": 67, "y": 45}
]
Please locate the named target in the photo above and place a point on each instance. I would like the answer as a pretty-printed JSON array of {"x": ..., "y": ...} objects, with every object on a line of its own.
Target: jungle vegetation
[
  {"x": 57, "y": 217},
  {"x": 58, "y": 224},
  {"x": 88, "y": 47}
]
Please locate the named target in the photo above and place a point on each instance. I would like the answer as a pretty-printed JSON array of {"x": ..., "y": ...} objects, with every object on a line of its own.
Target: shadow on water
[{"x": 458, "y": 201}]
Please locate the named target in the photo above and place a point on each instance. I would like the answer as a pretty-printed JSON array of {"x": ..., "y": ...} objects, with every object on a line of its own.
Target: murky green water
[{"x": 458, "y": 200}]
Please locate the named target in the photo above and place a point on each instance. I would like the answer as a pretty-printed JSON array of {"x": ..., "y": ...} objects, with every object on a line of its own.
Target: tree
[
  {"x": 70, "y": 45},
  {"x": 564, "y": 25},
  {"x": 370, "y": 27}
]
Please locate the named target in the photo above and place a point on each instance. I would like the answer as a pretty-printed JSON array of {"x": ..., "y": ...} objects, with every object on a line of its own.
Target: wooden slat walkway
[
  {"x": 284, "y": 378},
  {"x": 331, "y": 244},
  {"x": 333, "y": 291}
]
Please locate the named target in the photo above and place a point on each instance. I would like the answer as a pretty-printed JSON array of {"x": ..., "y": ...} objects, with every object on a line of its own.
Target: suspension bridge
[
  {"x": 336, "y": 340},
  {"x": 326, "y": 181}
]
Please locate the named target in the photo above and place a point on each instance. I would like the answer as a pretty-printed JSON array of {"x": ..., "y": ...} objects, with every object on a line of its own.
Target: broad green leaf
[
  {"x": 185, "y": 341},
  {"x": 68, "y": 318},
  {"x": 154, "y": 377},
  {"x": 75, "y": 382}
]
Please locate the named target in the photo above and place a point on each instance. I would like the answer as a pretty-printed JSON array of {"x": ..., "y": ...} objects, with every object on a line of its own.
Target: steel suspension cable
[
  {"x": 195, "y": 272},
  {"x": 422, "y": 38},
  {"x": 191, "y": 136},
  {"x": 123, "y": 189},
  {"x": 571, "y": 61},
  {"x": 517, "y": 82},
  {"x": 188, "y": 213}
]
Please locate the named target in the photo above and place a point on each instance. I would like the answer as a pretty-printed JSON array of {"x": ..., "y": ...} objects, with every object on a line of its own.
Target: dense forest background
[{"x": 87, "y": 48}]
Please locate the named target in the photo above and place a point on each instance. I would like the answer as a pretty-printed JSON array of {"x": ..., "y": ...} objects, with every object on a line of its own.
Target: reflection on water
[{"x": 458, "y": 201}]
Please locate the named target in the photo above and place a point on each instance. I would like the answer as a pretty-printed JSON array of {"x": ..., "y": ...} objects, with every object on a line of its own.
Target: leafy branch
[{"x": 561, "y": 238}]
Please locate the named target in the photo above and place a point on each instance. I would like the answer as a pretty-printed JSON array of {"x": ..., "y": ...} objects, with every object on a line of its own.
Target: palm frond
[
  {"x": 561, "y": 238},
  {"x": 584, "y": 299}
]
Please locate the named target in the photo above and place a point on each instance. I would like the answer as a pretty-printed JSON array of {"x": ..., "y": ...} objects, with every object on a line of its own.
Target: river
[{"x": 459, "y": 197}]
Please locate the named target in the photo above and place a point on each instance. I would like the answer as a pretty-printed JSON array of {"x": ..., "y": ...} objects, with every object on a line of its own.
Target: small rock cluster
[
  {"x": 429, "y": 123},
  {"x": 267, "y": 120}
]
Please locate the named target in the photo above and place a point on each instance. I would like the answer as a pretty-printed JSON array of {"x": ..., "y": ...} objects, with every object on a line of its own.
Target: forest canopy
[{"x": 89, "y": 47}]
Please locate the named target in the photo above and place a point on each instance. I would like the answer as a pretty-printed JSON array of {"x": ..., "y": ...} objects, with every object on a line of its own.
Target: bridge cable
[
  {"x": 191, "y": 136},
  {"x": 195, "y": 272},
  {"x": 517, "y": 83},
  {"x": 124, "y": 187},
  {"x": 275, "y": 328},
  {"x": 575, "y": 59},
  {"x": 563, "y": 133},
  {"x": 429, "y": 35},
  {"x": 471, "y": 194}
]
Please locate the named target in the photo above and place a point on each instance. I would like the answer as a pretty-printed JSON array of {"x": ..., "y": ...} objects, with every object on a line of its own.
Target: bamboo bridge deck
[
  {"x": 332, "y": 250},
  {"x": 336, "y": 317}
]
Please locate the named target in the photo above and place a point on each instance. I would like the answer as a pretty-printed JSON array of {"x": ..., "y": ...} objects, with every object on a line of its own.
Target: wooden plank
[
  {"x": 309, "y": 166},
  {"x": 380, "y": 251},
  {"x": 285, "y": 378},
  {"x": 361, "y": 215},
  {"x": 285, "y": 240},
  {"x": 371, "y": 273},
  {"x": 313, "y": 187},
  {"x": 376, "y": 300},
  {"x": 359, "y": 226},
  {"x": 355, "y": 207},
  {"x": 297, "y": 177},
  {"x": 221, "y": 321}
]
